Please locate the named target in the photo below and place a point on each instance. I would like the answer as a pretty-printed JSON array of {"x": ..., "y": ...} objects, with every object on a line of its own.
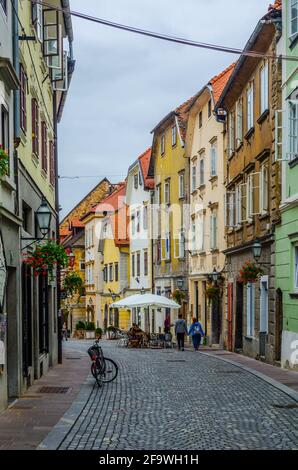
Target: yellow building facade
[{"x": 170, "y": 168}]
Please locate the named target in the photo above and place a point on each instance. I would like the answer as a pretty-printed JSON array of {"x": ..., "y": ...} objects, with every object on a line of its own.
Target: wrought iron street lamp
[
  {"x": 215, "y": 276},
  {"x": 257, "y": 250},
  {"x": 180, "y": 283},
  {"x": 43, "y": 217},
  {"x": 143, "y": 291}
]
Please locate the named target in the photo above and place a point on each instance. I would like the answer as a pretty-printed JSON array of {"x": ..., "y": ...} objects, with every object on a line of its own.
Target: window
[
  {"x": 167, "y": 192},
  {"x": 202, "y": 171},
  {"x": 232, "y": 134},
  {"x": 133, "y": 266},
  {"x": 138, "y": 264},
  {"x": 181, "y": 185},
  {"x": 174, "y": 136},
  {"x": 105, "y": 273},
  {"x": 194, "y": 177},
  {"x": 182, "y": 244},
  {"x": 213, "y": 232},
  {"x": 82, "y": 265},
  {"x": 168, "y": 246},
  {"x": 193, "y": 235},
  {"x": 158, "y": 250},
  {"x": 35, "y": 128},
  {"x": 230, "y": 209},
  {"x": 238, "y": 202},
  {"x": 250, "y": 305},
  {"x": 136, "y": 181},
  {"x": 239, "y": 122},
  {"x": 201, "y": 232},
  {"x": 116, "y": 272},
  {"x": 264, "y": 189},
  {"x": 37, "y": 20},
  {"x": 138, "y": 222},
  {"x": 264, "y": 79},
  {"x": 253, "y": 194},
  {"x": 213, "y": 159},
  {"x": 23, "y": 95},
  {"x": 293, "y": 129},
  {"x": 111, "y": 273},
  {"x": 158, "y": 195},
  {"x": 209, "y": 108},
  {"x": 145, "y": 263},
  {"x": 145, "y": 217},
  {"x": 296, "y": 267},
  {"x": 250, "y": 107},
  {"x": 44, "y": 147},
  {"x": 200, "y": 120},
  {"x": 140, "y": 179},
  {"x": 52, "y": 163},
  {"x": 162, "y": 144},
  {"x": 294, "y": 17},
  {"x": 27, "y": 217},
  {"x": 5, "y": 130},
  {"x": 4, "y": 5},
  {"x": 133, "y": 224}
]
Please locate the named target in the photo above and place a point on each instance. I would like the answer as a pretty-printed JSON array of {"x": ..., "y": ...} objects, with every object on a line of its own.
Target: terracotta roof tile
[
  {"x": 182, "y": 114},
  {"x": 219, "y": 82},
  {"x": 76, "y": 223},
  {"x": 276, "y": 6},
  {"x": 113, "y": 201},
  {"x": 144, "y": 160}
]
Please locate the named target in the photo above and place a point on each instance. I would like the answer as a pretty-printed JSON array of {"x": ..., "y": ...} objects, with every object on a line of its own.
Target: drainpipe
[
  {"x": 16, "y": 101},
  {"x": 57, "y": 208}
]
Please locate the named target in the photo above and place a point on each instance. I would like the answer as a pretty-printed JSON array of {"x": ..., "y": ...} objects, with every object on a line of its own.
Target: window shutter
[{"x": 292, "y": 121}]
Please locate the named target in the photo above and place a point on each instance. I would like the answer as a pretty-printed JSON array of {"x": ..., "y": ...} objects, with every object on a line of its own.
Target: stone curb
[
  {"x": 283, "y": 388},
  {"x": 64, "y": 425}
]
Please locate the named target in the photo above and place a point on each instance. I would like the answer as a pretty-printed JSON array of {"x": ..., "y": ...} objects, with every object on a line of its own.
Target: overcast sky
[{"x": 124, "y": 84}]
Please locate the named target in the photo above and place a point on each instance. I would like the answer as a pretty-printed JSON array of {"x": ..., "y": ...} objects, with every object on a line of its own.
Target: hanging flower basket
[
  {"x": 178, "y": 295},
  {"x": 212, "y": 294},
  {"x": 46, "y": 257},
  {"x": 4, "y": 162},
  {"x": 249, "y": 273},
  {"x": 73, "y": 284}
]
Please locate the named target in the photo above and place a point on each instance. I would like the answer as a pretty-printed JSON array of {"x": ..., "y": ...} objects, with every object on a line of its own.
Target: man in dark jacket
[{"x": 180, "y": 331}]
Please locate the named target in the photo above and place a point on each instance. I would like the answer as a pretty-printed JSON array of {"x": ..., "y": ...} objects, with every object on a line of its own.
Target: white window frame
[
  {"x": 250, "y": 107},
  {"x": 213, "y": 159},
  {"x": 296, "y": 267},
  {"x": 181, "y": 185},
  {"x": 238, "y": 209},
  {"x": 162, "y": 144},
  {"x": 230, "y": 208},
  {"x": 231, "y": 133},
  {"x": 264, "y": 88},
  {"x": 194, "y": 176},
  {"x": 167, "y": 198},
  {"x": 292, "y": 123},
  {"x": 280, "y": 121},
  {"x": 213, "y": 232},
  {"x": 264, "y": 191},
  {"x": 253, "y": 209},
  {"x": 250, "y": 310},
  {"x": 291, "y": 19},
  {"x": 37, "y": 18},
  {"x": 201, "y": 232},
  {"x": 202, "y": 170},
  {"x": 239, "y": 122},
  {"x": 174, "y": 136}
]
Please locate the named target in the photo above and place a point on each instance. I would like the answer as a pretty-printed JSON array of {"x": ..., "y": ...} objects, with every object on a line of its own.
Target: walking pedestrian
[
  {"x": 196, "y": 332},
  {"x": 180, "y": 331},
  {"x": 64, "y": 331}
]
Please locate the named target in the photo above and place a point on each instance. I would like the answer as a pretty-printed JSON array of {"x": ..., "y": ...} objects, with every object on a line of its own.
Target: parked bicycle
[{"x": 103, "y": 369}]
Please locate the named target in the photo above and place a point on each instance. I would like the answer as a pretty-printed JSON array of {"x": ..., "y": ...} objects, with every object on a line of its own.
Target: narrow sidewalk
[
  {"x": 285, "y": 377},
  {"x": 29, "y": 420}
]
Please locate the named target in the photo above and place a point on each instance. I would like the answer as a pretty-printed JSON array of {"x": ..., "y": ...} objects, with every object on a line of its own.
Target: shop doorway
[
  {"x": 278, "y": 324},
  {"x": 216, "y": 321},
  {"x": 12, "y": 336}
]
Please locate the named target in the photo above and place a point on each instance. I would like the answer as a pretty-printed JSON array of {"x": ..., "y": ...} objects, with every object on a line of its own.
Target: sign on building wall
[{"x": 3, "y": 274}]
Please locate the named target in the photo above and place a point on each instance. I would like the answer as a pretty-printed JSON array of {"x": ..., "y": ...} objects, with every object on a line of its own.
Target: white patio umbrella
[{"x": 145, "y": 300}]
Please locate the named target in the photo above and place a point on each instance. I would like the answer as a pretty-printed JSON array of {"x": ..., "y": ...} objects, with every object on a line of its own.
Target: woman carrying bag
[{"x": 196, "y": 332}]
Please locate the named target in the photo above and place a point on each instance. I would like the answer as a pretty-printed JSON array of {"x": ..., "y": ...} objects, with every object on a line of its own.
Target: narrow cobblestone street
[{"x": 164, "y": 399}]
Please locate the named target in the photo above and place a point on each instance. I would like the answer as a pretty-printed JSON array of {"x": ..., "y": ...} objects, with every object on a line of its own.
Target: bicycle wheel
[
  {"x": 97, "y": 374},
  {"x": 111, "y": 371}
]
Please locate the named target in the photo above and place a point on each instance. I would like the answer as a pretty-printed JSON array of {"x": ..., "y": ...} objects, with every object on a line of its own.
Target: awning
[{"x": 145, "y": 300}]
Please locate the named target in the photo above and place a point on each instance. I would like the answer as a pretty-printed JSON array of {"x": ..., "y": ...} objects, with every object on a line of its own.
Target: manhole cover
[
  {"x": 176, "y": 360},
  {"x": 229, "y": 372},
  {"x": 53, "y": 390},
  {"x": 289, "y": 406}
]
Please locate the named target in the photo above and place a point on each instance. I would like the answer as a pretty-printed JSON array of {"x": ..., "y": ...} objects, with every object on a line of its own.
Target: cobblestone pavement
[{"x": 164, "y": 399}]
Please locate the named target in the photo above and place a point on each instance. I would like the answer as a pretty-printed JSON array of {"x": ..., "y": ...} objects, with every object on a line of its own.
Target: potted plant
[
  {"x": 90, "y": 330},
  {"x": 212, "y": 294},
  {"x": 46, "y": 257},
  {"x": 98, "y": 333},
  {"x": 249, "y": 273},
  {"x": 80, "y": 330},
  {"x": 4, "y": 162}
]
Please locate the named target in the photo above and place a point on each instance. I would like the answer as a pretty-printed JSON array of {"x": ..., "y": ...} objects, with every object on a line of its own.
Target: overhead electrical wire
[{"x": 165, "y": 37}]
